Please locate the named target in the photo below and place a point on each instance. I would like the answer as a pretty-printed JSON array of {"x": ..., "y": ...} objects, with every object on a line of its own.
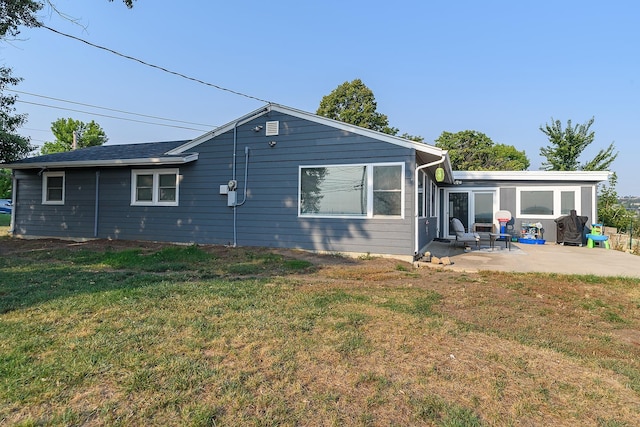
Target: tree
[
  {"x": 568, "y": 144},
  {"x": 353, "y": 102},
  {"x": 87, "y": 135},
  {"x": 12, "y": 146},
  {"x": 15, "y": 13},
  {"x": 610, "y": 211},
  {"x": 473, "y": 150}
]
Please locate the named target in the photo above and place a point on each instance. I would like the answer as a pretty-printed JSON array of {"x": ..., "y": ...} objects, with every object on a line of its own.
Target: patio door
[{"x": 470, "y": 206}]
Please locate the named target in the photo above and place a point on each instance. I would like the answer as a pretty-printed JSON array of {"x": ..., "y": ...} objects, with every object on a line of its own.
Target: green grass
[{"x": 184, "y": 335}]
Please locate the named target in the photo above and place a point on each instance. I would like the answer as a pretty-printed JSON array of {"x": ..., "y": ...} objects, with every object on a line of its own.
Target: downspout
[
  {"x": 14, "y": 198},
  {"x": 233, "y": 173},
  {"x": 95, "y": 216},
  {"x": 233, "y": 177},
  {"x": 246, "y": 175},
  {"x": 415, "y": 181}
]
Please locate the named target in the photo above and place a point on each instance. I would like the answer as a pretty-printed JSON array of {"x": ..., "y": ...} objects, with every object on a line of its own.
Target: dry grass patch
[{"x": 211, "y": 336}]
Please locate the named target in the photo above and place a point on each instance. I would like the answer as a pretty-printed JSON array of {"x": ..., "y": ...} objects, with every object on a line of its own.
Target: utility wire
[
  {"x": 110, "y": 109},
  {"x": 154, "y": 66},
  {"x": 111, "y": 117}
]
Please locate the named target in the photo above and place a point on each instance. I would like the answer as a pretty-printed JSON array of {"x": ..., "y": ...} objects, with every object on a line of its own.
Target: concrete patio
[{"x": 547, "y": 258}]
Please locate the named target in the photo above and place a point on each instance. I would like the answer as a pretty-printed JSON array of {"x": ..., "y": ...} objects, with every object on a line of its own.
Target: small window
[
  {"x": 155, "y": 188},
  {"x": 53, "y": 188},
  {"x": 421, "y": 195},
  {"x": 433, "y": 199}
]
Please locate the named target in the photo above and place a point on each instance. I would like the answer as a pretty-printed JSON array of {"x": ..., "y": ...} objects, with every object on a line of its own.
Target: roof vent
[{"x": 272, "y": 128}]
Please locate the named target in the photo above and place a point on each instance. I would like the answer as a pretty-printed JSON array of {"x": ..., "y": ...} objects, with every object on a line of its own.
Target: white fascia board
[
  {"x": 220, "y": 130},
  {"x": 586, "y": 176},
  {"x": 150, "y": 161},
  {"x": 313, "y": 118}
]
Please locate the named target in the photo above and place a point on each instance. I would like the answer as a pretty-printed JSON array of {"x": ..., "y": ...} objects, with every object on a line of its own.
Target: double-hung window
[
  {"x": 361, "y": 191},
  {"x": 547, "y": 202},
  {"x": 53, "y": 188},
  {"x": 151, "y": 187}
]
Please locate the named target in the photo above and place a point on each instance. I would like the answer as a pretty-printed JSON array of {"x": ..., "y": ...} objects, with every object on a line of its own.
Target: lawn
[{"x": 105, "y": 334}]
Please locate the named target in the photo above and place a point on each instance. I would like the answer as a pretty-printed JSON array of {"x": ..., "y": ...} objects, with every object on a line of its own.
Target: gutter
[{"x": 415, "y": 181}]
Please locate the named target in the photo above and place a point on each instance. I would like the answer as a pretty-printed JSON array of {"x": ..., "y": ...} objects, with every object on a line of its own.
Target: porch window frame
[{"x": 557, "y": 200}]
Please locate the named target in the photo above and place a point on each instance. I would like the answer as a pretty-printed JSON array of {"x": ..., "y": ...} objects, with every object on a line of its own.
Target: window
[
  {"x": 154, "y": 187},
  {"x": 421, "y": 194},
  {"x": 546, "y": 202},
  {"x": 433, "y": 198},
  {"x": 53, "y": 188},
  {"x": 352, "y": 190}
]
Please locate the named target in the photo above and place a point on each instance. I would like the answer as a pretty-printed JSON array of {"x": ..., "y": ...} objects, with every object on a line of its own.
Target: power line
[
  {"x": 155, "y": 66},
  {"x": 109, "y": 109},
  {"x": 109, "y": 116}
]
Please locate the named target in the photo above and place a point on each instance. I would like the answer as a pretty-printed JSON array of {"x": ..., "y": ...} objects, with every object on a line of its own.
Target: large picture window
[
  {"x": 155, "y": 187},
  {"x": 352, "y": 190},
  {"x": 53, "y": 188},
  {"x": 541, "y": 202}
]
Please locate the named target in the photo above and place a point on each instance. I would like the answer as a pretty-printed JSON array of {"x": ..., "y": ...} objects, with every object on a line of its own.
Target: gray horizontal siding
[
  {"x": 73, "y": 219},
  {"x": 270, "y": 215}
]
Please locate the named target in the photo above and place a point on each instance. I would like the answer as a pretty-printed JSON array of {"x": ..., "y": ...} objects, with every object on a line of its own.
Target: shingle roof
[{"x": 105, "y": 155}]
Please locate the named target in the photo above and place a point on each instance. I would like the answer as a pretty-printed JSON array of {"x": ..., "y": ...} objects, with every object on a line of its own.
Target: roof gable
[{"x": 402, "y": 142}]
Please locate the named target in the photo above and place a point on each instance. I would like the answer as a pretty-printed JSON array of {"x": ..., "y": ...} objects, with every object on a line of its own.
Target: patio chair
[{"x": 462, "y": 235}]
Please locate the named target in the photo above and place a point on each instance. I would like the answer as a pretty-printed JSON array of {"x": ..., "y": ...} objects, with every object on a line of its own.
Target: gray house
[{"x": 278, "y": 177}]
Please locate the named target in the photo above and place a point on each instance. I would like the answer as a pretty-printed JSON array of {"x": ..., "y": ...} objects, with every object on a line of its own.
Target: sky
[{"x": 503, "y": 68}]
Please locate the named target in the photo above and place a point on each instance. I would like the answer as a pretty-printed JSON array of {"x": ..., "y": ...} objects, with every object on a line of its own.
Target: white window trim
[
  {"x": 557, "y": 201},
  {"x": 369, "y": 214},
  {"x": 45, "y": 188},
  {"x": 433, "y": 199},
  {"x": 156, "y": 184},
  {"x": 422, "y": 202}
]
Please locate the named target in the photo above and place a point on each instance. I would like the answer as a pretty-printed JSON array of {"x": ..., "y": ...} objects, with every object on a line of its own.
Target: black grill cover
[{"x": 570, "y": 229}]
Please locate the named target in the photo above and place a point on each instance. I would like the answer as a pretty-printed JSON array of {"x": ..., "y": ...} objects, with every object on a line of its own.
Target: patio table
[{"x": 496, "y": 236}]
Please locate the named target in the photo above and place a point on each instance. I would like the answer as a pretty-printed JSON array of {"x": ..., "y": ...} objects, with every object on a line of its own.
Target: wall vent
[{"x": 272, "y": 128}]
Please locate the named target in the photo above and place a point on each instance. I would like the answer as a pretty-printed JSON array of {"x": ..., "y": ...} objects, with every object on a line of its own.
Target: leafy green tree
[
  {"x": 610, "y": 211},
  {"x": 16, "y": 13},
  {"x": 473, "y": 150},
  {"x": 87, "y": 135},
  {"x": 353, "y": 102},
  {"x": 566, "y": 146},
  {"x": 416, "y": 138},
  {"x": 12, "y": 146}
]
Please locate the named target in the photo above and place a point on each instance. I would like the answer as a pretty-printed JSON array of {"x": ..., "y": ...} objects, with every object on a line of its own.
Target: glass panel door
[{"x": 458, "y": 208}]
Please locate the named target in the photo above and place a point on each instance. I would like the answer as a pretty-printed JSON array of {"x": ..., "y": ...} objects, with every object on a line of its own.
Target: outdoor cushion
[{"x": 462, "y": 235}]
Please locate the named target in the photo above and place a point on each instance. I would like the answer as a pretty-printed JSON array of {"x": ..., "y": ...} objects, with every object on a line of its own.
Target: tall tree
[
  {"x": 566, "y": 147},
  {"x": 473, "y": 150},
  {"x": 86, "y": 135},
  {"x": 353, "y": 102}
]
